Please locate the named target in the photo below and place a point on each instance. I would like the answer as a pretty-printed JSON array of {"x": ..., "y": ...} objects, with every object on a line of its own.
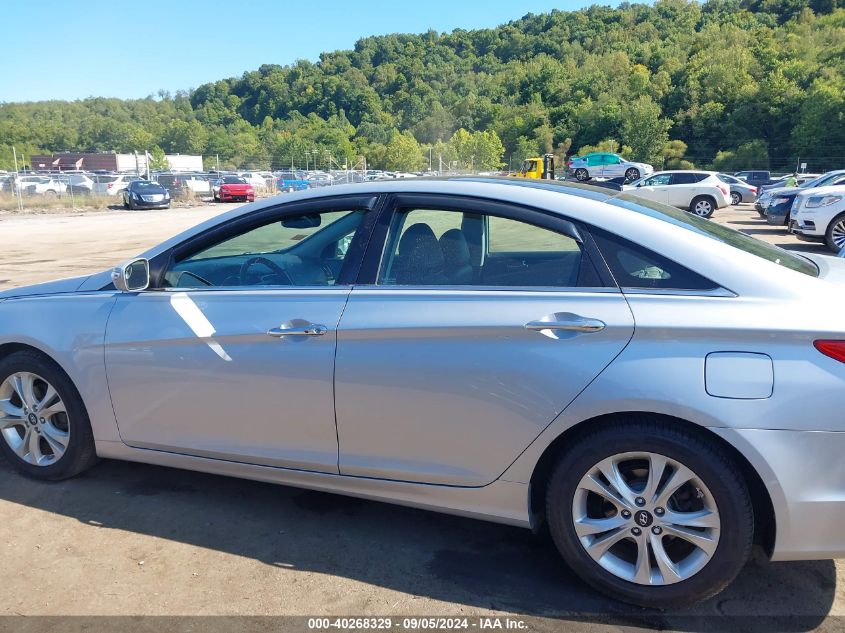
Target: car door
[
  {"x": 654, "y": 188},
  {"x": 231, "y": 356},
  {"x": 682, "y": 189},
  {"x": 613, "y": 166},
  {"x": 478, "y": 326}
]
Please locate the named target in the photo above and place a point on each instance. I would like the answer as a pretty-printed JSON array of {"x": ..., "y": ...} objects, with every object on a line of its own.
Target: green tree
[
  {"x": 403, "y": 153},
  {"x": 645, "y": 131},
  {"x": 158, "y": 160}
]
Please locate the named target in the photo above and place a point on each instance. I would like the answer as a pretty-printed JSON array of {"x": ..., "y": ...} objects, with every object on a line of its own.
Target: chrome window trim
[
  {"x": 497, "y": 289},
  {"x": 680, "y": 292}
]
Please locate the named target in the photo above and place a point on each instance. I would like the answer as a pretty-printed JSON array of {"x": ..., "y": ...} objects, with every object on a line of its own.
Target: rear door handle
[
  {"x": 298, "y": 328},
  {"x": 573, "y": 323}
]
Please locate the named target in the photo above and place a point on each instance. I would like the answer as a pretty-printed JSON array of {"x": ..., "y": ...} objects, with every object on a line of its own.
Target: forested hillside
[{"x": 740, "y": 83}]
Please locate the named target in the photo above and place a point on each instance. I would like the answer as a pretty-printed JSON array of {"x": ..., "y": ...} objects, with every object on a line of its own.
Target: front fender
[{"x": 70, "y": 329}]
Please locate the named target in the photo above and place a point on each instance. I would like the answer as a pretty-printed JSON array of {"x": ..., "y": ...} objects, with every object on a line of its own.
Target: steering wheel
[{"x": 273, "y": 266}]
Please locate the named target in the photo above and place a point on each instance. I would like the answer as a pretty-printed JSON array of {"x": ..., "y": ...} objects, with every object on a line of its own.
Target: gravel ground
[{"x": 130, "y": 539}]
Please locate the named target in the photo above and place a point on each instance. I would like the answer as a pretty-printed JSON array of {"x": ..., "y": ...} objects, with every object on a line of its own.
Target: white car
[
  {"x": 606, "y": 165},
  {"x": 112, "y": 184},
  {"x": 699, "y": 192},
  {"x": 255, "y": 179},
  {"x": 41, "y": 185},
  {"x": 818, "y": 215}
]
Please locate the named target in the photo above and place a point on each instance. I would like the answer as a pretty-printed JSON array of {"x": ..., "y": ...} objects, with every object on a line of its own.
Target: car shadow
[{"x": 453, "y": 559}]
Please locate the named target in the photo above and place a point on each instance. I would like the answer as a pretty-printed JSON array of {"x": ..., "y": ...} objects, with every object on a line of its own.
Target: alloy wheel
[
  {"x": 33, "y": 419},
  {"x": 837, "y": 234},
  {"x": 646, "y": 518},
  {"x": 735, "y": 199},
  {"x": 702, "y": 208},
  {"x": 632, "y": 174}
]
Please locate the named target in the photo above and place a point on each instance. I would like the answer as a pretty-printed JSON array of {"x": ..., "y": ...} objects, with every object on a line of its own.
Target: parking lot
[{"x": 135, "y": 539}]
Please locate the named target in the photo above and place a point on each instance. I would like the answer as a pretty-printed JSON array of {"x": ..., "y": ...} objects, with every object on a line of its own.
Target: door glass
[
  {"x": 452, "y": 248},
  {"x": 655, "y": 181},
  {"x": 304, "y": 250},
  {"x": 684, "y": 179}
]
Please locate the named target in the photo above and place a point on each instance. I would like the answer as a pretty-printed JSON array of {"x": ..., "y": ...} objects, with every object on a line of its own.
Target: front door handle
[
  {"x": 566, "y": 321},
  {"x": 297, "y": 327}
]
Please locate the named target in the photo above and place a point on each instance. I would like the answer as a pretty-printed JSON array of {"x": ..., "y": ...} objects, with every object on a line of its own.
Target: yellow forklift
[{"x": 538, "y": 168}]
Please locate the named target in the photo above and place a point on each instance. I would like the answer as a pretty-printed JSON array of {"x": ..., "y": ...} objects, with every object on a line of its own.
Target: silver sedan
[{"x": 518, "y": 351}]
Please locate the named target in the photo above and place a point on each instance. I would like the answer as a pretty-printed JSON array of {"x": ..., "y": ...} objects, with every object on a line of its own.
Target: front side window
[
  {"x": 660, "y": 179},
  {"x": 300, "y": 250},
  {"x": 453, "y": 248}
]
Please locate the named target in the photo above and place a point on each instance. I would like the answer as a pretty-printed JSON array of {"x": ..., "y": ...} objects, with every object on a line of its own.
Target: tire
[
  {"x": 702, "y": 206},
  {"x": 71, "y": 425},
  {"x": 762, "y": 214},
  {"x": 835, "y": 233},
  {"x": 716, "y": 479},
  {"x": 735, "y": 198},
  {"x": 582, "y": 175},
  {"x": 50, "y": 194},
  {"x": 632, "y": 174},
  {"x": 125, "y": 204},
  {"x": 131, "y": 205}
]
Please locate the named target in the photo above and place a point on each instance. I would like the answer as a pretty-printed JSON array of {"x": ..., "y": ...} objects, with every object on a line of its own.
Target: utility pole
[
  {"x": 429, "y": 157},
  {"x": 17, "y": 179}
]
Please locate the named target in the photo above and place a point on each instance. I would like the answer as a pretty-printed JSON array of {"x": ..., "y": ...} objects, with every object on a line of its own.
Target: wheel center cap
[
  {"x": 33, "y": 419},
  {"x": 643, "y": 518}
]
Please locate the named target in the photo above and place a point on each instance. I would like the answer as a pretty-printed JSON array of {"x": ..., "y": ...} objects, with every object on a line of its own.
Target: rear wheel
[
  {"x": 50, "y": 193},
  {"x": 44, "y": 428},
  {"x": 834, "y": 237},
  {"x": 735, "y": 198},
  {"x": 702, "y": 206},
  {"x": 650, "y": 514},
  {"x": 582, "y": 175},
  {"x": 632, "y": 174}
]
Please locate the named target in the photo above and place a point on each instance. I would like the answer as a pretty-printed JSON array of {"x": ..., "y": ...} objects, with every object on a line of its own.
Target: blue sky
[{"x": 121, "y": 48}]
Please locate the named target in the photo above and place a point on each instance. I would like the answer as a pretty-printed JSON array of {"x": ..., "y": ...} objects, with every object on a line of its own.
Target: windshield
[
  {"x": 145, "y": 184},
  {"x": 233, "y": 180},
  {"x": 528, "y": 165},
  {"x": 717, "y": 232}
]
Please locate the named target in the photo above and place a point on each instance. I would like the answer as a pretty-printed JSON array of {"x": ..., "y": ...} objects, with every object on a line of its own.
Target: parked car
[
  {"x": 180, "y": 184},
  {"x": 145, "y": 194},
  {"x": 780, "y": 207},
  {"x": 233, "y": 188},
  {"x": 77, "y": 184},
  {"x": 767, "y": 196},
  {"x": 255, "y": 180},
  {"x": 787, "y": 181},
  {"x": 818, "y": 215},
  {"x": 291, "y": 181},
  {"x": 741, "y": 191},
  {"x": 755, "y": 178},
  {"x": 411, "y": 360},
  {"x": 112, "y": 184},
  {"x": 699, "y": 192},
  {"x": 40, "y": 185},
  {"x": 606, "y": 165}
]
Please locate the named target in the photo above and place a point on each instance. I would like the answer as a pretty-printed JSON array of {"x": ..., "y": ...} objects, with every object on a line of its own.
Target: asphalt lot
[{"x": 132, "y": 539}]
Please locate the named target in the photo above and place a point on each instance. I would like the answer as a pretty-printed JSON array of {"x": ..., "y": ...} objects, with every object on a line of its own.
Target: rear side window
[
  {"x": 687, "y": 178},
  {"x": 634, "y": 266}
]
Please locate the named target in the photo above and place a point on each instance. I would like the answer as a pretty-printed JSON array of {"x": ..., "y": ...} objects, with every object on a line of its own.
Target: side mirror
[{"x": 132, "y": 277}]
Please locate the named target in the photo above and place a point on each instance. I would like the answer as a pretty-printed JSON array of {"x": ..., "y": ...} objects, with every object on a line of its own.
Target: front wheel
[
  {"x": 834, "y": 237},
  {"x": 702, "y": 206},
  {"x": 650, "y": 513},
  {"x": 581, "y": 175},
  {"x": 44, "y": 428}
]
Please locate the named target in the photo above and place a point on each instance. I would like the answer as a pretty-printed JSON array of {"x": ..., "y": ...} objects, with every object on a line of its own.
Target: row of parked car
[{"x": 813, "y": 210}]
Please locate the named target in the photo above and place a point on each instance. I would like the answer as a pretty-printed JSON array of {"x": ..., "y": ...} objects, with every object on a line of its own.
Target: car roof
[{"x": 621, "y": 213}]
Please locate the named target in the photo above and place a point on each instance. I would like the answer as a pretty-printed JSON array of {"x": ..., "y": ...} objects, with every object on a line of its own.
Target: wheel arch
[{"x": 765, "y": 526}]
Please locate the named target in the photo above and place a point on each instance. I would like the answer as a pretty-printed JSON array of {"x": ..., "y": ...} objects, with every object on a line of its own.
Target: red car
[{"x": 232, "y": 188}]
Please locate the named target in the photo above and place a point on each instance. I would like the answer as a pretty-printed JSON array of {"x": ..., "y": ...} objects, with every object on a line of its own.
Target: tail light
[
  {"x": 723, "y": 189},
  {"x": 753, "y": 189},
  {"x": 831, "y": 349},
  {"x": 110, "y": 185}
]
